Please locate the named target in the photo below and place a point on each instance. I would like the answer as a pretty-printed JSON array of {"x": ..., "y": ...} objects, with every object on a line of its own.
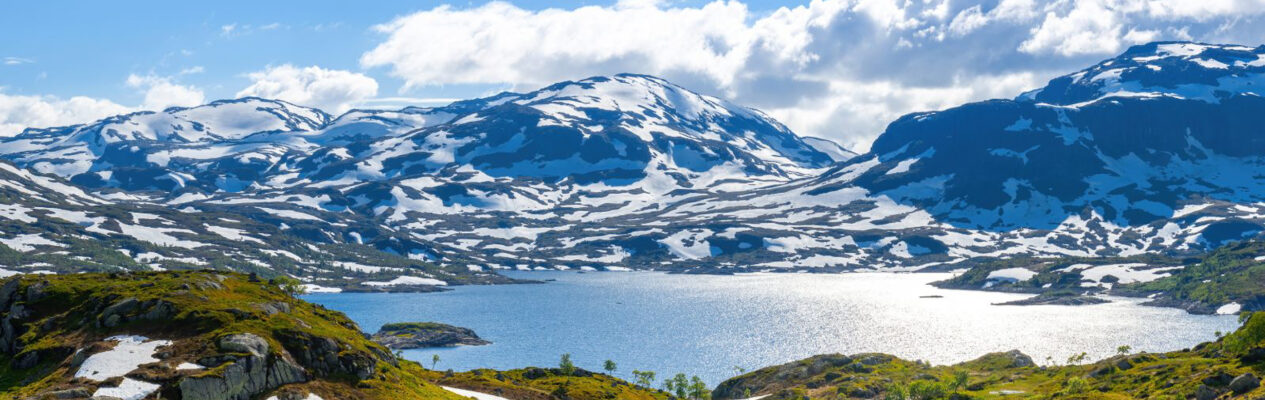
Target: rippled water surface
[{"x": 708, "y": 325}]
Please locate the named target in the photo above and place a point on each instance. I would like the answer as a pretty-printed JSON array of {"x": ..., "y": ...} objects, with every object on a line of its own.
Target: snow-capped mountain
[
  {"x": 1157, "y": 150},
  {"x": 615, "y": 130},
  {"x": 1130, "y": 140}
]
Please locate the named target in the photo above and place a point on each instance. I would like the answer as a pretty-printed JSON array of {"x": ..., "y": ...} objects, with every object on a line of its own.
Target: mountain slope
[{"x": 1154, "y": 151}]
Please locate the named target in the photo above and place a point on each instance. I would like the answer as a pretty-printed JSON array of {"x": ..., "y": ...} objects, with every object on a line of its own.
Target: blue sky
[
  {"x": 90, "y": 47},
  {"x": 839, "y": 69}
]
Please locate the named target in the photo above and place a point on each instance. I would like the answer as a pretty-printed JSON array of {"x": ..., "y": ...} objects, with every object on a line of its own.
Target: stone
[
  {"x": 1204, "y": 392},
  {"x": 1244, "y": 383},
  {"x": 243, "y": 379},
  {"x": 74, "y": 393},
  {"x": 244, "y": 343}
]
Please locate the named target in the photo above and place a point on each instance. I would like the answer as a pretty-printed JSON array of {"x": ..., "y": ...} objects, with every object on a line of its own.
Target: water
[{"x": 710, "y": 325}]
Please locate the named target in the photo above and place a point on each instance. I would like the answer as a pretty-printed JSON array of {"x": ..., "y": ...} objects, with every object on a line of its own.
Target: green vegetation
[
  {"x": 566, "y": 366},
  {"x": 55, "y": 316},
  {"x": 542, "y": 384},
  {"x": 1207, "y": 371},
  {"x": 1234, "y": 273}
]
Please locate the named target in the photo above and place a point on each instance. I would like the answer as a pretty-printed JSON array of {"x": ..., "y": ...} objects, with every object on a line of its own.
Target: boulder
[
  {"x": 1245, "y": 383},
  {"x": 244, "y": 343},
  {"x": 114, "y": 314},
  {"x": 1204, "y": 392}
]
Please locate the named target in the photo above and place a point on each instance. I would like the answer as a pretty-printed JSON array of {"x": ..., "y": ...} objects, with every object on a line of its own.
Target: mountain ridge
[{"x": 630, "y": 171}]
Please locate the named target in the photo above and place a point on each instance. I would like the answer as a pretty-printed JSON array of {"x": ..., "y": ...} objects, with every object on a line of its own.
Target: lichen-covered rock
[
  {"x": 242, "y": 379},
  {"x": 327, "y": 357},
  {"x": 244, "y": 343}
]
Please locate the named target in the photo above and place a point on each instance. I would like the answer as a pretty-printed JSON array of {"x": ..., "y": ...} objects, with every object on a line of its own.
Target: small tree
[
  {"x": 959, "y": 381},
  {"x": 698, "y": 389},
  {"x": 566, "y": 366},
  {"x": 1123, "y": 350},
  {"x": 678, "y": 384},
  {"x": 1078, "y": 358},
  {"x": 644, "y": 379},
  {"x": 290, "y": 286},
  {"x": 434, "y": 360},
  {"x": 609, "y": 366}
]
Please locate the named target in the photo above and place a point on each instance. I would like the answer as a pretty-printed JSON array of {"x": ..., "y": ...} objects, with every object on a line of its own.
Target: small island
[{"x": 418, "y": 335}]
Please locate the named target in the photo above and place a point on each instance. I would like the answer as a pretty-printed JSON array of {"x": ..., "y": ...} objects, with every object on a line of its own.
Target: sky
[{"x": 837, "y": 69}]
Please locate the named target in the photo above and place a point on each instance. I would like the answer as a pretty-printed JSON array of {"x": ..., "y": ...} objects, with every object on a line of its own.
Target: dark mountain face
[{"x": 1130, "y": 140}]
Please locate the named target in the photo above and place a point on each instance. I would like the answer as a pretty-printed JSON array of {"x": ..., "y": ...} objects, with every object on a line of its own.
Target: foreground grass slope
[
  {"x": 1225, "y": 369},
  {"x": 217, "y": 335}
]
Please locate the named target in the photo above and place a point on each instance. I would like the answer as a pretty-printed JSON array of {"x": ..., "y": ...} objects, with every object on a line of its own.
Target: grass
[{"x": 1173, "y": 375}]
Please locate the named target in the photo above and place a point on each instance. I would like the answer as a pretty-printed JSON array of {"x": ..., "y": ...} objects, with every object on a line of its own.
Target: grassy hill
[{"x": 214, "y": 335}]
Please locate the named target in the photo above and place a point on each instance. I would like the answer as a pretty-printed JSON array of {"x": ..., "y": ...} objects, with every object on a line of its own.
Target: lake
[{"x": 710, "y": 326}]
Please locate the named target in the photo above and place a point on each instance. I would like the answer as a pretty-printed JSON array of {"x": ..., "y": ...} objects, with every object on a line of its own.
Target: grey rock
[
  {"x": 7, "y": 292},
  {"x": 243, "y": 379},
  {"x": 275, "y": 308},
  {"x": 1204, "y": 392},
  {"x": 244, "y": 343},
  {"x": 35, "y": 291},
  {"x": 74, "y": 393},
  {"x": 1245, "y": 383},
  {"x": 160, "y": 311},
  {"x": 115, "y": 314}
]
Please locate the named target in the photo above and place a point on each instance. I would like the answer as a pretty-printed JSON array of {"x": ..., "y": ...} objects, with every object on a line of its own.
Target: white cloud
[
  {"x": 840, "y": 69},
  {"x": 19, "y": 112},
  {"x": 17, "y": 61},
  {"x": 330, "y": 90},
  {"x": 161, "y": 92}
]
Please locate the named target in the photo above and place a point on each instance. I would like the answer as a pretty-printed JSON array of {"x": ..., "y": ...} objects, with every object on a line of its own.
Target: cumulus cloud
[
  {"x": 161, "y": 92},
  {"x": 334, "y": 91},
  {"x": 840, "y": 69},
  {"x": 19, "y": 112}
]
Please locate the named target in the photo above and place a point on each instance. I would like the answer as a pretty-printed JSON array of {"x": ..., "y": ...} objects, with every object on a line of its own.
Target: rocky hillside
[
  {"x": 207, "y": 335},
  {"x": 1229, "y": 280},
  {"x": 1227, "y": 368}
]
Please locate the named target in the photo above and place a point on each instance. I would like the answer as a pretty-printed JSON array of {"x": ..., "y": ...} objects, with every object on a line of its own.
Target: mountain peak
[{"x": 1183, "y": 70}]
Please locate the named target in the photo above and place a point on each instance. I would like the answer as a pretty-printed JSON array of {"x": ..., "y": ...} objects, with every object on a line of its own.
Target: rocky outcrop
[
  {"x": 415, "y": 335},
  {"x": 328, "y": 357},
  {"x": 243, "y": 377}
]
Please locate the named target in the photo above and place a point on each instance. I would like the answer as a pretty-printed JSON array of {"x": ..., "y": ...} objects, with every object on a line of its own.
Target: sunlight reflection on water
[{"x": 706, "y": 325}]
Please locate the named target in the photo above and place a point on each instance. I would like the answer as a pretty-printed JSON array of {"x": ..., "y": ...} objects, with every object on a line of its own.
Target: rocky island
[{"x": 417, "y": 335}]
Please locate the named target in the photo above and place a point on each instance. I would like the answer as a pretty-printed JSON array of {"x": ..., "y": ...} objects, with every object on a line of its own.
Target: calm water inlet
[{"x": 711, "y": 326}]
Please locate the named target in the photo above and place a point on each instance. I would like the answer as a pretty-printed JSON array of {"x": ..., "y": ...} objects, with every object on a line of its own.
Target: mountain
[
  {"x": 1153, "y": 151},
  {"x": 1132, "y": 139},
  {"x": 615, "y": 130}
]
